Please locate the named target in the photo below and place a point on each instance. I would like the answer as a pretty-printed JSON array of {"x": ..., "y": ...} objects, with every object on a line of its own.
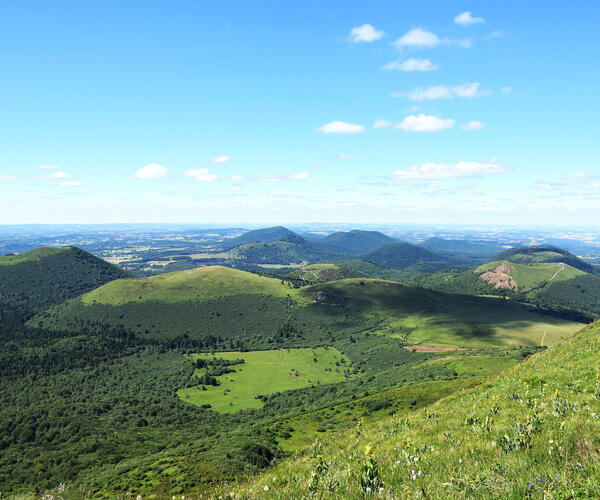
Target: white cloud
[
  {"x": 445, "y": 171},
  {"x": 60, "y": 175},
  {"x": 338, "y": 127},
  {"x": 200, "y": 174},
  {"x": 506, "y": 90},
  {"x": 418, "y": 37},
  {"x": 412, "y": 64},
  {"x": 70, "y": 184},
  {"x": 466, "y": 19},
  {"x": 221, "y": 159},
  {"x": 466, "y": 90},
  {"x": 150, "y": 171},
  {"x": 425, "y": 123},
  {"x": 299, "y": 176},
  {"x": 381, "y": 124},
  {"x": 495, "y": 34},
  {"x": 8, "y": 177},
  {"x": 236, "y": 178},
  {"x": 473, "y": 125},
  {"x": 234, "y": 188},
  {"x": 43, "y": 166},
  {"x": 344, "y": 157},
  {"x": 365, "y": 33}
]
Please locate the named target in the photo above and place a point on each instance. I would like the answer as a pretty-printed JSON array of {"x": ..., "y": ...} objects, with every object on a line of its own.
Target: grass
[
  {"x": 427, "y": 317},
  {"x": 199, "y": 284},
  {"x": 266, "y": 372},
  {"x": 532, "y": 275},
  {"x": 531, "y": 432},
  {"x": 32, "y": 255}
]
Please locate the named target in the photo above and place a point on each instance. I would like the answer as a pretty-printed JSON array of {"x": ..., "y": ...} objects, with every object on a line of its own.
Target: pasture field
[
  {"x": 266, "y": 372},
  {"x": 198, "y": 284},
  {"x": 426, "y": 317}
]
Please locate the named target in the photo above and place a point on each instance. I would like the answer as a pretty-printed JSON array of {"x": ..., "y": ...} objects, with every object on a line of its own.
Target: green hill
[
  {"x": 356, "y": 242},
  {"x": 552, "y": 285},
  {"x": 461, "y": 248},
  {"x": 531, "y": 432},
  {"x": 322, "y": 272},
  {"x": 408, "y": 256},
  {"x": 52, "y": 274},
  {"x": 543, "y": 254},
  {"x": 424, "y": 317},
  {"x": 264, "y": 235}
]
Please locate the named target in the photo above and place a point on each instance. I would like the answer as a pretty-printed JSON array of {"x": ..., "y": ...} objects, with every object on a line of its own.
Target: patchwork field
[{"x": 263, "y": 373}]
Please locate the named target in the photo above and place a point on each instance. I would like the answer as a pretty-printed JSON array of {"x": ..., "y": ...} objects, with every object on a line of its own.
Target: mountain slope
[
  {"x": 264, "y": 235},
  {"x": 49, "y": 275},
  {"x": 356, "y": 242},
  {"x": 461, "y": 248},
  {"x": 407, "y": 255},
  {"x": 532, "y": 432},
  {"x": 543, "y": 254}
]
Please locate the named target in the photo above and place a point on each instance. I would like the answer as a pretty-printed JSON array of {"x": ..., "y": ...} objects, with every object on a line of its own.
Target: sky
[{"x": 293, "y": 112}]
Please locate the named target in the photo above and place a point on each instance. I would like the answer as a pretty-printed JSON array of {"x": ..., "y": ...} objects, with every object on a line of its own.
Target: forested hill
[
  {"x": 356, "y": 242},
  {"x": 265, "y": 235},
  {"x": 50, "y": 275}
]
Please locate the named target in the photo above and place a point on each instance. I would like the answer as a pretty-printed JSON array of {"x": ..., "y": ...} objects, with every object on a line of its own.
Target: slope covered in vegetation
[
  {"x": 356, "y": 242},
  {"x": 49, "y": 275},
  {"x": 539, "y": 254},
  {"x": 531, "y": 432}
]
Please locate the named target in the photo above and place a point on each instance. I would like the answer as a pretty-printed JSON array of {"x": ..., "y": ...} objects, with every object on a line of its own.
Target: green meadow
[
  {"x": 263, "y": 373},
  {"x": 532, "y": 275},
  {"x": 32, "y": 255},
  {"x": 198, "y": 284}
]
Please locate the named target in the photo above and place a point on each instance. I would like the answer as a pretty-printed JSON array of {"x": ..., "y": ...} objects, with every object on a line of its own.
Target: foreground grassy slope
[
  {"x": 426, "y": 317},
  {"x": 199, "y": 284},
  {"x": 49, "y": 275},
  {"x": 531, "y": 432}
]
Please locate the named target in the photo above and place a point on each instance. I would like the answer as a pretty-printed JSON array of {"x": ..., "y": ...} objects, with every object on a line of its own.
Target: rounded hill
[
  {"x": 542, "y": 255},
  {"x": 198, "y": 284}
]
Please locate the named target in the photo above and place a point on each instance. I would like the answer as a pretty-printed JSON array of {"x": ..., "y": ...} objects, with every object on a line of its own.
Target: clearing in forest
[{"x": 264, "y": 373}]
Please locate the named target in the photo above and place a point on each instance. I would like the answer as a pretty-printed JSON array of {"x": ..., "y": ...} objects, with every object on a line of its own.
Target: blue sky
[{"x": 233, "y": 112}]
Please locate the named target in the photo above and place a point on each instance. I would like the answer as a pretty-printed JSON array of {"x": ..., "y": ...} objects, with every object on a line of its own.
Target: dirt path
[
  {"x": 264, "y": 386},
  {"x": 543, "y": 284},
  {"x": 543, "y": 337}
]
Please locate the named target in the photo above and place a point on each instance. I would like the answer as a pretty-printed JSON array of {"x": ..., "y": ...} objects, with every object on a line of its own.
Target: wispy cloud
[
  {"x": 506, "y": 90},
  {"x": 473, "y": 125},
  {"x": 43, "y": 166},
  {"x": 448, "y": 171},
  {"x": 467, "y": 19},
  {"x": 425, "y": 123},
  {"x": 8, "y": 177},
  {"x": 200, "y": 175},
  {"x": 381, "y": 124},
  {"x": 284, "y": 178},
  {"x": 150, "y": 171},
  {"x": 60, "y": 175},
  {"x": 365, "y": 33},
  {"x": 466, "y": 90},
  {"x": 412, "y": 64},
  {"x": 70, "y": 184},
  {"x": 221, "y": 159},
  {"x": 339, "y": 127}
]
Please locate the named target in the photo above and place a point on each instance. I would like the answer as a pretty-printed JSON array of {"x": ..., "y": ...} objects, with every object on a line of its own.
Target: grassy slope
[
  {"x": 533, "y": 431},
  {"x": 427, "y": 317},
  {"x": 199, "y": 284},
  {"x": 32, "y": 255},
  {"x": 533, "y": 275},
  {"x": 265, "y": 372},
  {"x": 322, "y": 272}
]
